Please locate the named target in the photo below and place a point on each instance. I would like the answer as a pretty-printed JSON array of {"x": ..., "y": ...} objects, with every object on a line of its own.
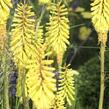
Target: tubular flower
[
  {"x": 22, "y": 35},
  {"x": 66, "y": 89},
  {"x": 100, "y": 16},
  {"x": 59, "y": 102},
  {"x": 40, "y": 81},
  {"x": 58, "y": 30}
]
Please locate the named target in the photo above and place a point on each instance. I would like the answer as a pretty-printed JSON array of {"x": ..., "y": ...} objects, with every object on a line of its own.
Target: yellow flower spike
[
  {"x": 66, "y": 89},
  {"x": 5, "y": 6},
  {"x": 58, "y": 30},
  {"x": 40, "y": 80},
  {"x": 22, "y": 35},
  {"x": 59, "y": 102},
  {"x": 100, "y": 16},
  {"x": 100, "y": 19}
]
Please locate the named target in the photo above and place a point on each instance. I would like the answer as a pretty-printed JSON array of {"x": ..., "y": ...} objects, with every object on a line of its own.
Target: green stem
[
  {"x": 5, "y": 83},
  {"x": 25, "y": 100},
  {"x": 17, "y": 103},
  {"x": 33, "y": 107},
  {"x": 40, "y": 19},
  {"x": 102, "y": 76},
  {"x": 6, "y": 97}
]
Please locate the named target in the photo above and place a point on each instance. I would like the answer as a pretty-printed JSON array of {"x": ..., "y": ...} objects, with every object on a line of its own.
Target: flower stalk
[{"x": 103, "y": 38}]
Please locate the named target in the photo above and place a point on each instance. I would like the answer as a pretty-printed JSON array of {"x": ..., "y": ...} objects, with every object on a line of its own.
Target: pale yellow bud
[{"x": 44, "y": 1}]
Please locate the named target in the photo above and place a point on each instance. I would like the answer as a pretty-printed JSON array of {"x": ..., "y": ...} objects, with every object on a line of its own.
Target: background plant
[{"x": 85, "y": 82}]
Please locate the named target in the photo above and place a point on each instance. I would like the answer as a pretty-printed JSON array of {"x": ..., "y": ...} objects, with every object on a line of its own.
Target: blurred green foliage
[{"x": 88, "y": 83}]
